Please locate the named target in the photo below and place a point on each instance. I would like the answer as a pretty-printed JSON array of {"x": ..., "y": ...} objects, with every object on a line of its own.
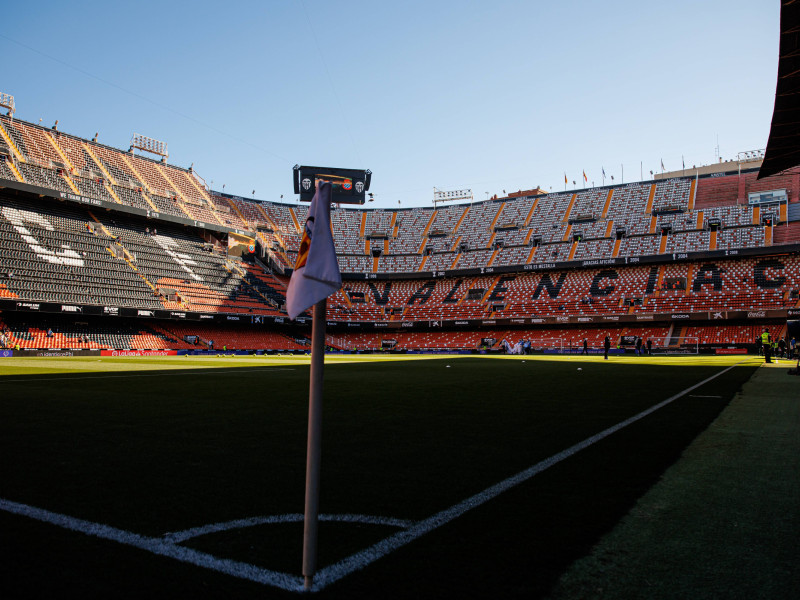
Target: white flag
[{"x": 316, "y": 273}]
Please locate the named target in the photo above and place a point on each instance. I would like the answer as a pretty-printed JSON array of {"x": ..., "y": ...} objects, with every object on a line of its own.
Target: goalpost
[
  {"x": 554, "y": 345},
  {"x": 674, "y": 345}
]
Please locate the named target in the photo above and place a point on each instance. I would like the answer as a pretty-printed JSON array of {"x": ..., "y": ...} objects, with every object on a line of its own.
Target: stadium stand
[{"x": 87, "y": 225}]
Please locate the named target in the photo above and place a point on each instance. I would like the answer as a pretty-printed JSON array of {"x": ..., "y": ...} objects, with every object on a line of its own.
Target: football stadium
[{"x": 578, "y": 393}]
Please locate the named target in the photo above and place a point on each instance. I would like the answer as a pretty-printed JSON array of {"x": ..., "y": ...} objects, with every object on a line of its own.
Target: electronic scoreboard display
[{"x": 348, "y": 186}]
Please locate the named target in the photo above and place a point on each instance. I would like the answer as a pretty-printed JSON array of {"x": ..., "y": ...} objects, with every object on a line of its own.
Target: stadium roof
[{"x": 783, "y": 147}]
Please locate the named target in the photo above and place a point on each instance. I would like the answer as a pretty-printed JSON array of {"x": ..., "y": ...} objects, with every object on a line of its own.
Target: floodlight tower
[
  {"x": 147, "y": 144},
  {"x": 7, "y": 101}
]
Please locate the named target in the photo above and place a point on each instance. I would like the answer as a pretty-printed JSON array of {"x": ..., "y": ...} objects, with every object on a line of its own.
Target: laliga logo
[{"x": 306, "y": 184}]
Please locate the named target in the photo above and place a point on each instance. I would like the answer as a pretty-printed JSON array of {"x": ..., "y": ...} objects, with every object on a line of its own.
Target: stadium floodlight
[
  {"x": 348, "y": 186},
  {"x": 453, "y": 195},
  {"x": 750, "y": 155},
  {"x": 147, "y": 144},
  {"x": 7, "y": 101}
]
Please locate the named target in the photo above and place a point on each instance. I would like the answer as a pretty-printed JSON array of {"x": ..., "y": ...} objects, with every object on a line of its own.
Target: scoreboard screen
[{"x": 348, "y": 186}]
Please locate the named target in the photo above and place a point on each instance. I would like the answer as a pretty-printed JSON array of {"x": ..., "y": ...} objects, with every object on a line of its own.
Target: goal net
[
  {"x": 547, "y": 345},
  {"x": 673, "y": 345}
]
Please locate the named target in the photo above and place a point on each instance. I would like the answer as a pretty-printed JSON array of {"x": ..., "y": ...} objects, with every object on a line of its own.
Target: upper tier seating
[
  {"x": 422, "y": 238},
  {"x": 64, "y": 254}
]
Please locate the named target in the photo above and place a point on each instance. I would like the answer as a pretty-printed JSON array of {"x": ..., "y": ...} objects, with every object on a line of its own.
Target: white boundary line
[
  {"x": 358, "y": 561},
  {"x": 168, "y": 546},
  {"x": 158, "y": 546},
  {"x": 187, "y": 534},
  {"x": 172, "y": 373}
]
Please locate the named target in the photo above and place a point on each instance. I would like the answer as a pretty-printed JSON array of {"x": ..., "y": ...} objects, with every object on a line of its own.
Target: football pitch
[{"x": 442, "y": 477}]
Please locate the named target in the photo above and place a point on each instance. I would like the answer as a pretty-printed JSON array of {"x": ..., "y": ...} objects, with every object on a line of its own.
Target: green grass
[
  {"x": 725, "y": 516},
  {"x": 159, "y": 445}
]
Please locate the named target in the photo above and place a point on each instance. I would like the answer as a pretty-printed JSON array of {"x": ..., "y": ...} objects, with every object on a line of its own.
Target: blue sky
[{"x": 492, "y": 96}]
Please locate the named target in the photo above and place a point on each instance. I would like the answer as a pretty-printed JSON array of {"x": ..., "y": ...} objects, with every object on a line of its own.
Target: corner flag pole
[{"x": 314, "y": 448}]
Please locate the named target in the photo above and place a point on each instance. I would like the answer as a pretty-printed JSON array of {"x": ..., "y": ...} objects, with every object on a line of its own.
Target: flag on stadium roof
[
  {"x": 316, "y": 272},
  {"x": 584, "y": 176}
]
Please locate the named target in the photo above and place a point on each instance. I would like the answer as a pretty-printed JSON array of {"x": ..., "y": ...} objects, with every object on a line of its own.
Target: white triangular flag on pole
[{"x": 316, "y": 273}]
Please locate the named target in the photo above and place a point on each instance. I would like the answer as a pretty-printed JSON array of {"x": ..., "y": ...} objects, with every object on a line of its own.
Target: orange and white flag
[{"x": 316, "y": 272}]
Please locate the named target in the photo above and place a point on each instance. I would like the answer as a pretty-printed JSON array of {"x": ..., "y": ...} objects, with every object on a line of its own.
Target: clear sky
[{"x": 492, "y": 96}]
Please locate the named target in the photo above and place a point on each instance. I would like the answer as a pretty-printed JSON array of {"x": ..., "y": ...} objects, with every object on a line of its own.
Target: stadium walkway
[{"x": 724, "y": 521}]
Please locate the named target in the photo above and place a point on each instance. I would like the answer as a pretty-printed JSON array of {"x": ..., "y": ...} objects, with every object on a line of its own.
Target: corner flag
[{"x": 316, "y": 273}]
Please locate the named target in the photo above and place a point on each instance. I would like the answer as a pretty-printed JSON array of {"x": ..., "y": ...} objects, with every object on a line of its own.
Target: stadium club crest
[
  {"x": 347, "y": 184},
  {"x": 305, "y": 244},
  {"x": 359, "y": 186},
  {"x": 306, "y": 183}
]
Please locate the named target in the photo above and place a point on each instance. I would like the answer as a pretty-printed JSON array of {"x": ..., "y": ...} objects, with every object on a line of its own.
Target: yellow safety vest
[{"x": 765, "y": 338}]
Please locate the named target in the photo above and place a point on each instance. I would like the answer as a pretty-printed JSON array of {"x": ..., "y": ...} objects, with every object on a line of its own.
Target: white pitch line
[
  {"x": 360, "y": 560},
  {"x": 198, "y": 371},
  {"x": 166, "y": 545},
  {"x": 159, "y": 546},
  {"x": 187, "y": 534}
]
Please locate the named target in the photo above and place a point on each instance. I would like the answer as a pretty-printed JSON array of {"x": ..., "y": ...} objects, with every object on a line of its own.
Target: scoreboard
[{"x": 348, "y": 186}]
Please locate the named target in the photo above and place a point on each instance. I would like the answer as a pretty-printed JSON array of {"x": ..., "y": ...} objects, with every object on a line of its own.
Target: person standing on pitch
[
  {"x": 766, "y": 344},
  {"x": 606, "y": 347},
  {"x": 585, "y": 346}
]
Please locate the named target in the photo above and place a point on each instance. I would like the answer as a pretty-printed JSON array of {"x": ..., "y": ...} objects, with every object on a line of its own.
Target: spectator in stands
[
  {"x": 766, "y": 343},
  {"x": 49, "y": 332},
  {"x": 606, "y": 347}
]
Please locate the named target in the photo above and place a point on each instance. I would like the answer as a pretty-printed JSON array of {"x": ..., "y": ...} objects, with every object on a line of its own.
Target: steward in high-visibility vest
[{"x": 766, "y": 342}]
